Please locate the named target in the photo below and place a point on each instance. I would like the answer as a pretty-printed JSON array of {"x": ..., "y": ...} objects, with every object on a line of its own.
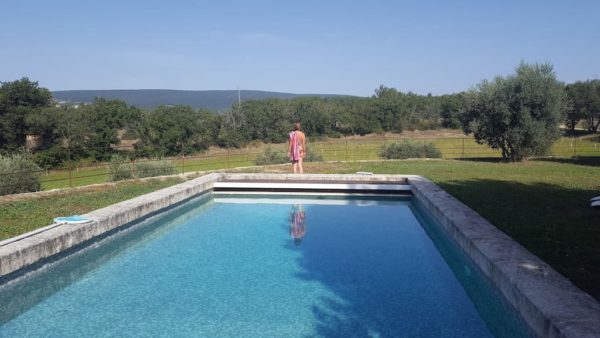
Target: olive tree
[
  {"x": 584, "y": 100},
  {"x": 519, "y": 114}
]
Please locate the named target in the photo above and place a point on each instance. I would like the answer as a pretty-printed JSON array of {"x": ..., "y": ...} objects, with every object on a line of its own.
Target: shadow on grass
[
  {"x": 482, "y": 159},
  {"x": 554, "y": 222},
  {"x": 577, "y": 133},
  {"x": 592, "y": 161}
]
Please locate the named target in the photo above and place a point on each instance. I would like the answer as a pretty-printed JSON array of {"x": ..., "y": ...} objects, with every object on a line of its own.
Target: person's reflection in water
[{"x": 297, "y": 225}]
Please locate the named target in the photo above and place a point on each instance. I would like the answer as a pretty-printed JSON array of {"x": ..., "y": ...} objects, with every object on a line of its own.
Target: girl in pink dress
[{"x": 297, "y": 148}]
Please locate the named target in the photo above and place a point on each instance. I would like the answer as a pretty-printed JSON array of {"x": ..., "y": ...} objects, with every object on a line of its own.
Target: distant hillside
[{"x": 215, "y": 100}]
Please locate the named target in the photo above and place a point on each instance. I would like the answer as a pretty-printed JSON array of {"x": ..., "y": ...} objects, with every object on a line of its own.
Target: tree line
[{"x": 518, "y": 114}]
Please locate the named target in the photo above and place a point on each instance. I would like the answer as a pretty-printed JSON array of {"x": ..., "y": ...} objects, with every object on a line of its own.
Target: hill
[{"x": 215, "y": 100}]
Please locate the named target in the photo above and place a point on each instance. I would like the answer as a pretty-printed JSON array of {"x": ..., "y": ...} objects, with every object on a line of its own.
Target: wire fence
[{"x": 332, "y": 150}]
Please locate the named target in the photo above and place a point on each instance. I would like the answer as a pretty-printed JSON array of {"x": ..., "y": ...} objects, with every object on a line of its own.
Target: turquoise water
[{"x": 268, "y": 267}]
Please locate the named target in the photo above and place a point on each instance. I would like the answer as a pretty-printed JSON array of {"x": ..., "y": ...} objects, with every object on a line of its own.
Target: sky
[{"x": 318, "y": 47}]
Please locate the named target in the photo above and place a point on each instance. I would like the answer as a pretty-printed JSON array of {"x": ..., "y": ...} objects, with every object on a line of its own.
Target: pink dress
[{"x": 295, "y": 154}]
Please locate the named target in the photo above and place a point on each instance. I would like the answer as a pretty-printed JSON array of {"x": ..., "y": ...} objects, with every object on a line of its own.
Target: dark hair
[
  {"x": 297, "y": 241},
  {"x": 297, "y": 126}
]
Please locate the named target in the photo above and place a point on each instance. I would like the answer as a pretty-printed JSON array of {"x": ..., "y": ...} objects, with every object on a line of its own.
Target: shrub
[
  {"x": 271, "y": 156},
  {"x": 154, "y": 168},
  {"x": 18, "y": 173},
  {"x": 50, "y": 158},
  {"x": 119, "y": 168},
  {"x": 409, "y": 149},
  {"x": 313, "y": 157}
]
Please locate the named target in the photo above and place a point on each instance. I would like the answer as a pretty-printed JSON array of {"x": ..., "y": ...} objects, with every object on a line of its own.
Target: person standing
[{"x": 297, "y": 148}]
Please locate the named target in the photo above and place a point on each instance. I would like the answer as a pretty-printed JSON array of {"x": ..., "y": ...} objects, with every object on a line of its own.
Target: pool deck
[{"x": 548, "y": 302}]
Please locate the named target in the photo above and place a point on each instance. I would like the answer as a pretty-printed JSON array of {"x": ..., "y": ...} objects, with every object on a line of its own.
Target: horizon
[
  {"x": 197, "y": 90},
  {"x": 304, "y": 48}
]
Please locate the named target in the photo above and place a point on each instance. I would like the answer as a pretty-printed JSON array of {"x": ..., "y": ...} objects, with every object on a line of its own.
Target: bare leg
[
  {"x": 300, "y": 165},
  {"x": 295, "y": 167}
]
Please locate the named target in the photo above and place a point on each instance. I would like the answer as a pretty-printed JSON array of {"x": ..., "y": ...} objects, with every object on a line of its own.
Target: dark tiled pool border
[{"x": 548, "y": 302}]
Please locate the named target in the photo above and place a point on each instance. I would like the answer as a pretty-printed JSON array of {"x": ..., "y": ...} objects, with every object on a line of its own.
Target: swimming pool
[{"x": 266, "y": 266}]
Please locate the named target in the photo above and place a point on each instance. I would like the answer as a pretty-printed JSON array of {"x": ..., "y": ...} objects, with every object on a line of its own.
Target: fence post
[
  {"x": 182, "y": 159},
  {"x": 346, "y": 150},
  {"x": 133, "y": 168},
  {"x": 575, "y": 147},
  {"x": 462, "y": 153},
  {"x": 70, "y": 179},
  {"x": 227, "y": 158}
]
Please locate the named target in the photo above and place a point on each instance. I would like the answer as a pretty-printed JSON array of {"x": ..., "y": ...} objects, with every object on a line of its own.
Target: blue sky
[{"x": 327, "y": 47}]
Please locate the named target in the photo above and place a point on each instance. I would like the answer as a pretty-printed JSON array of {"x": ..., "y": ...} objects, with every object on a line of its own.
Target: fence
[{"x": 332, "y": 150}]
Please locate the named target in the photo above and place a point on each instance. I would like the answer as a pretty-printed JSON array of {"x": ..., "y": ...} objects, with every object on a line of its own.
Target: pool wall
[{"x": 548, "y": 302}]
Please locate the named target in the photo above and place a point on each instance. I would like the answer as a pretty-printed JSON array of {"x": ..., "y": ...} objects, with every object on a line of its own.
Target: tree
[
  {"x": 518, "y": 114},
  {"x": 391, "y": 108},
  {"x": 233, "y": 131},
  {"x": 106, "y": 118},
  {"x": 176, "y": 130},
  {"x": 584, "y": 102},
  {"x": 18, "y": 99},
  {"x": 451, "y": 106},
  {"x": 64, "y": 130}
]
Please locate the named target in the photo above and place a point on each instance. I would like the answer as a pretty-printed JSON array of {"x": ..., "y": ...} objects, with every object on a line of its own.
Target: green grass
[
  {"x": 20, "y": 216},
  {"x": 343, "y": 149}
]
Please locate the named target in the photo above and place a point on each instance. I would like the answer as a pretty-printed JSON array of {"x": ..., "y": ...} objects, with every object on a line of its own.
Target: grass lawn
[
  {"x": 20, "y": 216},
  {"x": 542, "y": 204},
  {"x": 451, "y": 143}
]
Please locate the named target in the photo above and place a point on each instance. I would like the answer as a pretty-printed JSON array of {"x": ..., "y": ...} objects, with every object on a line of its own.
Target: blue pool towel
[{"x": 75, "y": 219}]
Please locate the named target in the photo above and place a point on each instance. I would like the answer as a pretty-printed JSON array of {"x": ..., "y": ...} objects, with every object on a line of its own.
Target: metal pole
[
  {"x": 70, "y": 165},
  {"x": 346, "y": 150},
  {"x": 182, "y": 159}
]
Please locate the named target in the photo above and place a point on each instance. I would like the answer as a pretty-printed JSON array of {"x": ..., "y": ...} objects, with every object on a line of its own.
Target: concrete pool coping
[{"x": 547, "y": 301}]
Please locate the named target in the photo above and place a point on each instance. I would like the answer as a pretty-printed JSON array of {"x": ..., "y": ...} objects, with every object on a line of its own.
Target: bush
[
  {"x": 409, "y": 149},
  {"x": 18, "y": 173},
  {"x": 50, "y": 158},
  {"x": 154, "y": 168},
  {"x": 313, "y": 157},
  {"x": 119, "y": 169},
  {"x": 271, "y": 156}
]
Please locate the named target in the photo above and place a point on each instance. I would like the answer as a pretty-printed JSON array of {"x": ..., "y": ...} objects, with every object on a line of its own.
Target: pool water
[{"x": 278, "y": 266}]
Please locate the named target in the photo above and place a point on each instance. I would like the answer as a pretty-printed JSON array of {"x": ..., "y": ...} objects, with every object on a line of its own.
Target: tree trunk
[
  {"x": 505, "y": 151},
  {"x": 595, "y": 127}
]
